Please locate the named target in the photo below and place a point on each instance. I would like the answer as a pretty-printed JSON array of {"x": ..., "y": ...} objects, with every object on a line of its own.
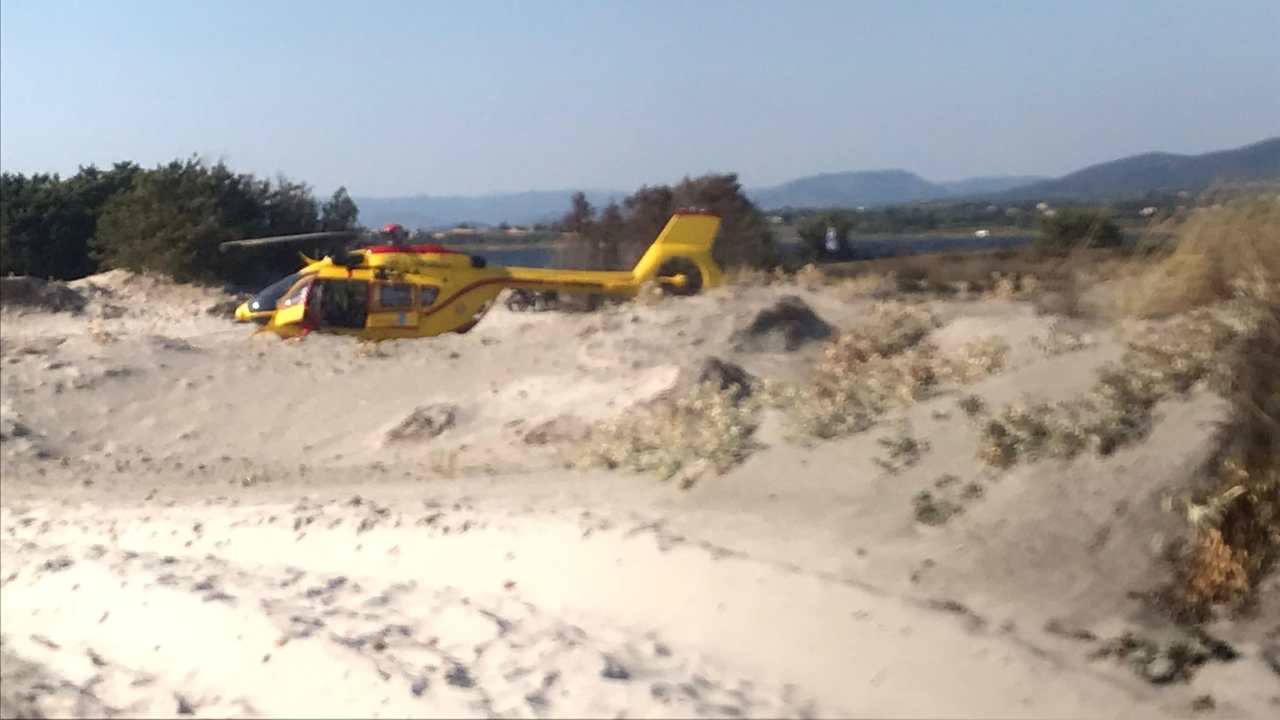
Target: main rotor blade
[{"x": 287, "y": 239}]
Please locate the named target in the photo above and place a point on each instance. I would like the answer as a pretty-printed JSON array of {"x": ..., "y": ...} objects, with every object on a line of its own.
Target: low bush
[
  {"x": 708, "y": 430},
  {"x": 1215, "y": 250}
]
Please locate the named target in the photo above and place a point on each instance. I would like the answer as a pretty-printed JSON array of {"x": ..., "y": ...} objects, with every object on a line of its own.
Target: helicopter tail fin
[{"x": 683, "y": 249}]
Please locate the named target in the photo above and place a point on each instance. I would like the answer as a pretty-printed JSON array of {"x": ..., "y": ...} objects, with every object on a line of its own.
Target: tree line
[
  {"x": 1058, "y": 228},
  {"x": 616, "y": 237},
  {"x": 168, "y": 219}
]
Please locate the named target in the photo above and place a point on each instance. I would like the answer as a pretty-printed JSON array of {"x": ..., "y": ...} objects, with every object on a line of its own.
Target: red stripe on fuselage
[{"x": 490, "y": 281}]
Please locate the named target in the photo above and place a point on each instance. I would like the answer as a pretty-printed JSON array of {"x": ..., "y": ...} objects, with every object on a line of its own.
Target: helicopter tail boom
[
  {"x": 679, "y": 257},
  {"x": 683, "y": 246}
]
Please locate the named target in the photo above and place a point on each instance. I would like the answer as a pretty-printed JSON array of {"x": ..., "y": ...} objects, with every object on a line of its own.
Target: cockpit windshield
[{"x": 267, "y": 297}]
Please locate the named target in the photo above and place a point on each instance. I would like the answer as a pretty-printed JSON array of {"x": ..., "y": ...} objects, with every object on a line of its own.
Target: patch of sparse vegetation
[
  {"x": 932, "y": 510},
  {"x": 892, "y": 329},
  {"x": 1059, "y": 341},
  {"x": 825, "y": 411},
  {"x": 977, "y": 359},
  {"x": 946, "y": 500},
  {"x": 1162, "y": 664},
  {"x": 99, "y": 334},
  {"x": 903, "y": 450},
  {"x": 709, "y": 429},
  {"x": 885, "y": 362},
  {"x": 871, "y": 285},
  {"x": 945, "y": 481},
  {"x": 1118, "y": 409},
  {"x": 972, "y": 405}
]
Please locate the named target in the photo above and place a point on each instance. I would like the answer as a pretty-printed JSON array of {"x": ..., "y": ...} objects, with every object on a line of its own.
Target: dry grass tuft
[
  {"x": 1059, "y": 341},
  {"x": 100, "y": 335},
  {"x": 890, "y": 330},
  {"x": 976, "y": 360},
  {"x": 1216, "y": 248},
  {"x": 870, "y": 285},
  {"x": 709, "y": 430},
  {"x": 1215, "y": 573}
]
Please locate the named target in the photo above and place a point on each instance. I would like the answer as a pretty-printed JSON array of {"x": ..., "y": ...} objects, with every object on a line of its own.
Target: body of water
[
  {"x": 876, "y": 247},
  {"x": 864, "y": 248}
]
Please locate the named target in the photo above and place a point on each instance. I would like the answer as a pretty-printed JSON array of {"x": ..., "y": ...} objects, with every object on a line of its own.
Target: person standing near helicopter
[{"x": 396, "y": 235}]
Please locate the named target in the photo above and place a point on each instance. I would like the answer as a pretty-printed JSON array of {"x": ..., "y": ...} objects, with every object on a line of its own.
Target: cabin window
[
  {"x": 395, "y": 296},
  {"x": 427, "y": 295},
  {"x": 341, "y": 303}
]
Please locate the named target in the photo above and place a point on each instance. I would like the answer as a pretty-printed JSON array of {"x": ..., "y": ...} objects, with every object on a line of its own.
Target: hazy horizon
[{"x": 412, "y": 98}]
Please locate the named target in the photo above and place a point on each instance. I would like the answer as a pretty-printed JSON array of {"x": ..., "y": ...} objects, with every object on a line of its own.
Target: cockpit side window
[
  {"x": 297, "y": 294},
  {"x": 427, "y": 295}
]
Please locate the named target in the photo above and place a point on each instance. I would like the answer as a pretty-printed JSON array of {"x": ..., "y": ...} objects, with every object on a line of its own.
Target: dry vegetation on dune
[
  {"x": 1208, "y": 312},
  {"x": 886, "y": 361},
  {"x": 1215, "y": 249},
  {"x": 1215, "y": 293},
  {"x": 1119, "y": 408},
  {"x": 1227, "y": 257},
  {"x": 709, "y": 429},
  {"x": 1235, "y": 519}
]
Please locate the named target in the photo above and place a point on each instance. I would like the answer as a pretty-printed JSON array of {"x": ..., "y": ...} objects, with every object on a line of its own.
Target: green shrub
[
  {"x": 1070, "y": 228},
  {"x": 47, "y": 223},
  {"x": 173, "y": 218}
]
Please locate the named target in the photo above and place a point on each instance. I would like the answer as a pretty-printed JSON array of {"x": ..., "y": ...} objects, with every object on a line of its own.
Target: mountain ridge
[{"x": 1123, "y": 178}]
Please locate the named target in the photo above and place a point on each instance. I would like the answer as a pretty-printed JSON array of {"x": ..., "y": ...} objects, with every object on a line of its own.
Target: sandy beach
[{"x": 198, "y": 521}]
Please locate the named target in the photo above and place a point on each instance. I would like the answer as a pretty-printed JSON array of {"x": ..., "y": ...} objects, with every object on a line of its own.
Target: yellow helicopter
[{"x": 398, "y": 290}]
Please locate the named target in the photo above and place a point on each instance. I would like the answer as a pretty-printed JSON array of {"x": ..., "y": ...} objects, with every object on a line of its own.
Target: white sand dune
[{"x": 196, "y": 521}]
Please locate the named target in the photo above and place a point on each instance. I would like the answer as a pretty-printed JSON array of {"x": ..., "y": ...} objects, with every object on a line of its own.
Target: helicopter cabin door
[
  {"x": 392, "y": 306},
  {"x": 338, "y": 304}
]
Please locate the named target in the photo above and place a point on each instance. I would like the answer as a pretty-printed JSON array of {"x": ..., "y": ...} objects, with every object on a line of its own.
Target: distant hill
[
  {"x": 987, "y": 185},
  {"x": 1119, "y": 179},
  {"x": 864, "y": 187},
  {"x": 876, "y": 187},
  {"x": 1139, "y": 175}
]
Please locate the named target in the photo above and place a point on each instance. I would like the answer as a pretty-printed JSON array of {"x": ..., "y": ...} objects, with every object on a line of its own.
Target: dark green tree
[
  {"x": 175, "y": 216},
  {"x": 609, "y": 232},
  {"x": 339, "y": 212},
  {"x": 580, "y": 216},
  {"x": 47, "y": 223},
  {"x": 744, "y": 237}
]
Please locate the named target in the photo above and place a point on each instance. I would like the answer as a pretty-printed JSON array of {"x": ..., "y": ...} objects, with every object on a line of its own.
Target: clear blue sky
[{"x": 451, "y": 97}]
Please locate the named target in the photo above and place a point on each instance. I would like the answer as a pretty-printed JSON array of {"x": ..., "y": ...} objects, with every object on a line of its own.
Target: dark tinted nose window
[{"x": 267, "y": 297}]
